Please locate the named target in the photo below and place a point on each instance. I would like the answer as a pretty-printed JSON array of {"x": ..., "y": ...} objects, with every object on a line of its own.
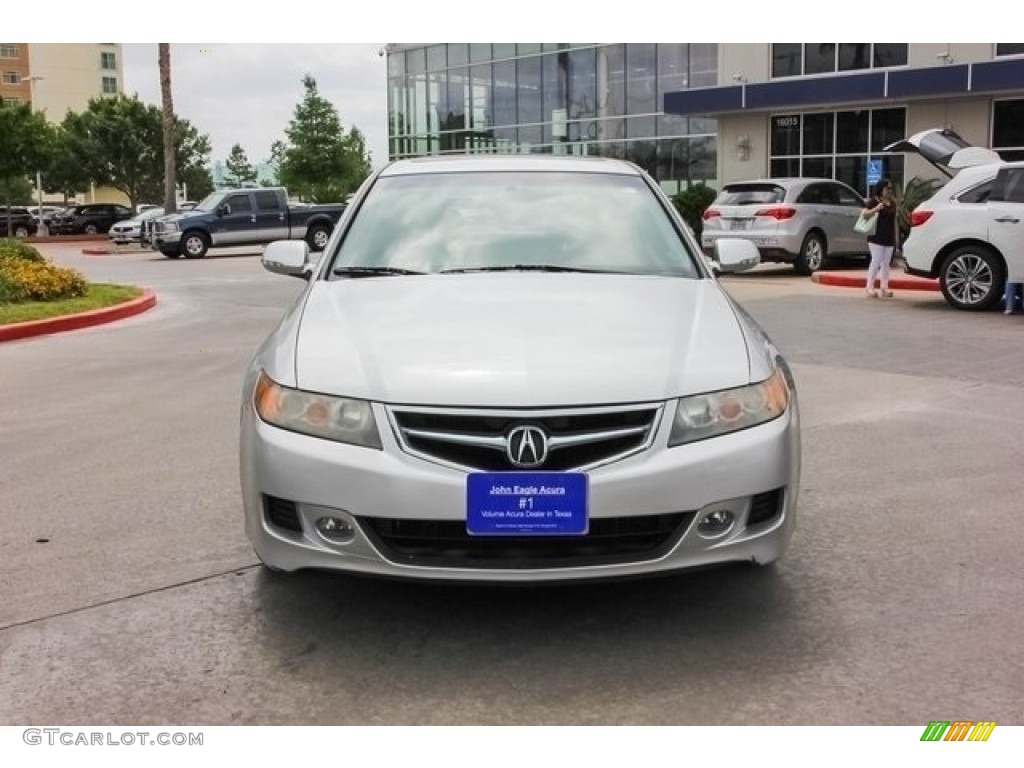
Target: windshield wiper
[
  {"x": 371, "y": 271},
  {"x": 527, "y": 268}
]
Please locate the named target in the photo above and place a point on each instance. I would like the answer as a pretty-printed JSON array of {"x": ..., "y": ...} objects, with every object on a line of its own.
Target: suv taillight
[
  {"x": 780, "y": 213},
  {"x": 917, "y": 218},
  {"x": 710, "y": 213}
]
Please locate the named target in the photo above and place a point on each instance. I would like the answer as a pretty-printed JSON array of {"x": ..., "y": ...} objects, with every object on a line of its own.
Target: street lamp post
[{"x": 42, "y": 229}]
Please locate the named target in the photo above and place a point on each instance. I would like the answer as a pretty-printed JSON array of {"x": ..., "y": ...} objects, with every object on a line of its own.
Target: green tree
[
  {"x": 197, "y": 180},
  {"x": 320, "y": 161},
  {"x": 691, "y": 204},
  {"x": 119, "y": 142},
  {"x": 15, "y": 189},
  {"x": 63, "y": 172},
  {"x": 277, "y": 150},
  {"x": 240, "y": 172},
  {"x": 25, "y": 138}
]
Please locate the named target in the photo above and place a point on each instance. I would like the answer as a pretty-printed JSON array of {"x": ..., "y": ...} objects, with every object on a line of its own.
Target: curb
[
  {"x": 73, "y": 322},
  {"x": 96, "y": 251},
  {"x": 67, "y": 239},
  {"x": 859, "y": 279}
]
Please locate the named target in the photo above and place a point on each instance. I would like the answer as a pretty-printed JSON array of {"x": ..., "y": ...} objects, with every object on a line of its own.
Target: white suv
[{"x": 970, "y": 234}]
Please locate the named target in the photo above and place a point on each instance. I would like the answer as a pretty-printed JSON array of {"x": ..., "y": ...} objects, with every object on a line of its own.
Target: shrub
[
  {"x": 12, "y": 248},
  {"x": 39, "y": 282},
  {"x": 11, "y": 291},
  {"x": 691, "y": 204}
]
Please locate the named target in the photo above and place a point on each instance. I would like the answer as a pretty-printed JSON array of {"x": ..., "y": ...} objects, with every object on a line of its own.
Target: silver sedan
[{"x": 516, "y": 369}]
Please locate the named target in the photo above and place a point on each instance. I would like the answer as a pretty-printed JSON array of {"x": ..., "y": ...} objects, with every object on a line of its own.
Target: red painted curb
[
  {"x": 97, "y": 251},
  {"x": 50, "y": 325},
  {"x": 859, "y": 280}
]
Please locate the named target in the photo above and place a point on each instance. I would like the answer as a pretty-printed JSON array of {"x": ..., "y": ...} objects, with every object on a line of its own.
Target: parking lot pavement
[{"x": 128, "y": 593}]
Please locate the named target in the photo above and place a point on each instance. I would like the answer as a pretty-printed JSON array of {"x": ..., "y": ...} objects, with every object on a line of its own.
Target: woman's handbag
[{"x": 866, "y": 226}]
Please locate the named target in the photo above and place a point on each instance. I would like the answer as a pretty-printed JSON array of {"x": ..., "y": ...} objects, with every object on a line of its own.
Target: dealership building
[{"x": 707, "y": 112}]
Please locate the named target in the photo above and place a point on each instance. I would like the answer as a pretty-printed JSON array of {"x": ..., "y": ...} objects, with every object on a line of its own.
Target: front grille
[
  {"x": 477, "y": 440},
  {"x": 764, "y": 507},
  {"x": 445, "y": 543},
  {"x": 282, "y": 513}
]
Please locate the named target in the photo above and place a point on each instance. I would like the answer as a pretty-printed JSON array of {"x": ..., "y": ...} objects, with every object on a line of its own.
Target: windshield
[
  {"x": 483, "y": 220},
  {"x": 750, "y": 194},
  {"x": 210, "y": 202}
]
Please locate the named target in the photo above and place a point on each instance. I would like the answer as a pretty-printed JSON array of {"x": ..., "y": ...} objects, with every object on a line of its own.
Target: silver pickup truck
[{"x": 233, "y": 217}]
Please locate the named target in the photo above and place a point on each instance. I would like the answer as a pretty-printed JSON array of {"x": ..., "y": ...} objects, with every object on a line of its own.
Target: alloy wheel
[
  {"x": 813, "y": 254},
  {"x": 969, "y": 279}
]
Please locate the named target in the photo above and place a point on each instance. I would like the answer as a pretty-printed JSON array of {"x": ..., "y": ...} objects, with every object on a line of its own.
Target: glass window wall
[{"x": 560, "y": 98}]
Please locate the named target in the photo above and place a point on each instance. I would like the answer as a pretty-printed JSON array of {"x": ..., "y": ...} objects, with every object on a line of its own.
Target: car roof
[
  {"x": 523, "y": 162},
  {"x": 785, "y": 181}
]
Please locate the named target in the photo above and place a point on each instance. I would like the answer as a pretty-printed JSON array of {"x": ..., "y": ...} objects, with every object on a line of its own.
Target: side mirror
[
  {"x": 735, "y": 255},
  {"x": 223, "y": 209},
  {"x": 288, "y": 257}
]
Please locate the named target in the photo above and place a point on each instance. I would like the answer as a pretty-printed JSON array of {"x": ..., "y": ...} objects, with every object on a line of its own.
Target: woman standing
[{"x": 883, "y": 240}]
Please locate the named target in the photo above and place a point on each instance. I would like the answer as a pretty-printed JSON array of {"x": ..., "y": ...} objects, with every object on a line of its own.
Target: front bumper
[
  {"x": 323, "y": 478},
  {"x": 165, "y": 239}
]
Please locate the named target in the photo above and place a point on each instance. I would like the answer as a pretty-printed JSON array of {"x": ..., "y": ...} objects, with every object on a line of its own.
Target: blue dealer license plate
[{"x": 526, "y": 504}]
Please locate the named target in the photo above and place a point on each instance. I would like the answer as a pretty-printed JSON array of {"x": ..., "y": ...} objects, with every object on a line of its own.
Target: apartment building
[{"x": 57, "y": 77}]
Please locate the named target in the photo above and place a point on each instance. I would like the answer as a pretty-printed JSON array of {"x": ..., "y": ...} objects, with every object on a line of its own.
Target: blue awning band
[{"x": 922, "y": 82}]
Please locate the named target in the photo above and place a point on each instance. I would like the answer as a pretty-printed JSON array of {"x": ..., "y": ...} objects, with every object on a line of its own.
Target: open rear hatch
[{"x": 945, "y": 149}]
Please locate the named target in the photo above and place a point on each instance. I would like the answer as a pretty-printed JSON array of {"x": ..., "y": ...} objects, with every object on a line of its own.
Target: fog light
[
  {"x": 335, "y": 529},
  {"x": 716, "y": 523}
]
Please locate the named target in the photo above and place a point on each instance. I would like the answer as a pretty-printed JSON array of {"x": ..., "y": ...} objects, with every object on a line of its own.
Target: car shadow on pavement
[{"x": 679, "y": 630}]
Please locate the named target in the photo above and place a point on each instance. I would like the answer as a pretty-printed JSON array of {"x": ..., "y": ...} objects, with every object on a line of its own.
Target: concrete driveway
[{"x": 129, "y": 594}]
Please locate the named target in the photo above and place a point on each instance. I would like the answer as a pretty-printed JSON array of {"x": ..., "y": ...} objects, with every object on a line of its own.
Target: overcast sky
[{"x": 246, "y": 94}]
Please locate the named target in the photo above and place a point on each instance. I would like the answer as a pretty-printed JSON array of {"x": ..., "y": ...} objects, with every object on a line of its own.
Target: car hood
[
  {"x": 515, "y": 339},
  {"x": 179, "y": 216}
]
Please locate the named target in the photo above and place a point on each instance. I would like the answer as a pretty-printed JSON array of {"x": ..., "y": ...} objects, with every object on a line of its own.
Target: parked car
[
  {"x": 243, "y": 217},
  {"x": 516, "y": 369},
  {"x": 133, "y": 230},
  {"x": 91, "y": 219},
  {"x": 16, "y": 222},
  {"x": 798, "y": 221},
  {"x": 49, "y": 211},
  {"x": 970, "y": 234}
]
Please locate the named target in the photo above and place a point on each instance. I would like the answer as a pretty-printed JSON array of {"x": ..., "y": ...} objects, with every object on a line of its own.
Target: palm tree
[
  {"x": 170, "y": 183},
  {"x": 915, "y": 192}
]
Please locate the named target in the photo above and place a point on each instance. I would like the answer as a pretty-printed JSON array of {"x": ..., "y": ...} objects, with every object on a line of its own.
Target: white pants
[{"x": 881, "y": 255}]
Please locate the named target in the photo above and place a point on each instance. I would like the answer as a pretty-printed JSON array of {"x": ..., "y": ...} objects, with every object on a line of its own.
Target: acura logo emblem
[{"x": 527, "y": 446}]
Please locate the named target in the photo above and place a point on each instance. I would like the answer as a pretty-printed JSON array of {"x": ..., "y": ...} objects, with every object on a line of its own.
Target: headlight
[
  {"x": 718, "y": 413},
  {"x": 332, "y": 418},
  {"x": 168, "y": 226}
]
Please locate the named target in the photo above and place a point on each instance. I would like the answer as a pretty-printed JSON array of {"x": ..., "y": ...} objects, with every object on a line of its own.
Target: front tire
[
  {"x": 194, "y": 245},
  {"x": 972, "y": 278},
  {"x": 21, "y": 231},
  {"x": 317, "y": 237},
  {"x": 812, "y": 255},
  {"x": 91, "y": 229}
]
